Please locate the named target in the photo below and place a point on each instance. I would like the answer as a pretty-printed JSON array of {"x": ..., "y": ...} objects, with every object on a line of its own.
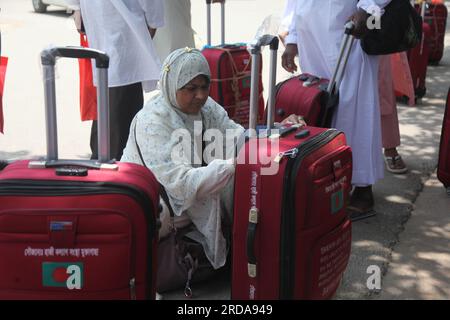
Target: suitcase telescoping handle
[
  {"x": 208, "y": 21},
  {"x": 255, "y": 50},
  {"x": 48, "y": 59},
  {"x": 273, "y": 42},
  {"x": 344, "y": 54}
]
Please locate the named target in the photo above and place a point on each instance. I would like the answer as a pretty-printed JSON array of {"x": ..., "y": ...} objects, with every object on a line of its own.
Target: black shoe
[{"x": 361, "y": 204}]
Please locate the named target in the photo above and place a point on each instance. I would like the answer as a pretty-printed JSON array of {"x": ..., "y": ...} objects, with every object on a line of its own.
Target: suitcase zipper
[
  {"x": 133, "y": 288},
  {"x": 291, "y": 153},
  {"x": 287, "y": 243},
  {"x": 58, "y": 188}
]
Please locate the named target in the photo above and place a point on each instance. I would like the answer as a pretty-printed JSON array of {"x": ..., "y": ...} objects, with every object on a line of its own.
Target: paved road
[{"x": 25, "y": 34}]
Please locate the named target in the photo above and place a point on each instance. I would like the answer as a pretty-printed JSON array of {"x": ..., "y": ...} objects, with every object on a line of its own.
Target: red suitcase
[
  {"x": 310, "y": 96},
  {"x": 230, "y": 75},
  {"x": 444, "y": 150},
  {"x": 436, "y": 17},
  {"x": 291, "y": 233},
  {"x": 77, "y": 229},
  {"x": 418, "y": 62}
]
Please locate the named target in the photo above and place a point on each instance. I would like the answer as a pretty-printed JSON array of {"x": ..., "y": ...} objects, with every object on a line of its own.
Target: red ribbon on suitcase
[
  {"x": 88, "y": 92},
  {"x": 3, "y": 64}
]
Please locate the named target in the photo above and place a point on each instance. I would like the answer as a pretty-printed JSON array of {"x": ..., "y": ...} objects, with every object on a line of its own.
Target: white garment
[
  {"x": 318, "y": 29},
  {"x": 288, "y": 15},
  {"x": 177, "y": 31},
  {"x": 120, "y": 28},
  {"x": 204, "y": 194}
]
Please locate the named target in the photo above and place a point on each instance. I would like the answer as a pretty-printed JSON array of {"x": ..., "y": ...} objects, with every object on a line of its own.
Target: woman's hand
[{"x": 294, "y": 119}]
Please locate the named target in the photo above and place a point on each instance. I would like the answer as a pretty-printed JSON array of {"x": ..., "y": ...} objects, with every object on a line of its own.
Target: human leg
[{"x": 124, "y": 103}]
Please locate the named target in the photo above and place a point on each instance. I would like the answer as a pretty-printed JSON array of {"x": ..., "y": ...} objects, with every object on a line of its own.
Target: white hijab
[{"x": 180, "y": 67}]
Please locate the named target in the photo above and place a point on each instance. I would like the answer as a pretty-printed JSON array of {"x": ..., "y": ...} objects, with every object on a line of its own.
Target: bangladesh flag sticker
[
  {"x": 337, "y": 201},
  {"x": 62, "y": 274}
]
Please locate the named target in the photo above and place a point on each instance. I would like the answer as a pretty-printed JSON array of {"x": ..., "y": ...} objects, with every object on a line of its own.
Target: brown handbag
[{"x": 181, "y": 260}]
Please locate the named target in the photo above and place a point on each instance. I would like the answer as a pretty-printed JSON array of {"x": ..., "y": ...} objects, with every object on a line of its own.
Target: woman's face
[{"x": 192, "y": 97}]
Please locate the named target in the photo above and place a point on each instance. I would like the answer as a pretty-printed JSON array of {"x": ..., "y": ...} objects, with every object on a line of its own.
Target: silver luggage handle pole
[
  {"x": 423, "y": 10},
  {"x": 104, "y": 143},
  {"x": 48, "y": 58},
  {"x": 273, "y": 42},
  {"x": 51, "y": 129},
  {"x": 222, "y": 8},
  {"x": 344, "y": 54},
  {"x": 208, "y": 21}
]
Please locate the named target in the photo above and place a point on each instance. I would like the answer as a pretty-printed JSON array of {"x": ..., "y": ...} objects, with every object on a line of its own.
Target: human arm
[
  {"x": 366, "y": 8},
  {"x": 169, "y": 158},
  {"x": 154, "y": 14},
  {"x": 290, "y": 40},
  {"x": 288, "y": 16},
  {"x": 75, "y": 6}
]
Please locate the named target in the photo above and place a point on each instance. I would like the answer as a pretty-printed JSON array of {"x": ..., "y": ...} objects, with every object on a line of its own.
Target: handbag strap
[{"x": 162, "y": 190}]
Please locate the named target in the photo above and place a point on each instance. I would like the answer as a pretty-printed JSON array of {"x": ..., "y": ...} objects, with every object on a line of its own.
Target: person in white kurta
[
  {"x": 124, "y": 30},
  {"x": 317, "y": 31}
]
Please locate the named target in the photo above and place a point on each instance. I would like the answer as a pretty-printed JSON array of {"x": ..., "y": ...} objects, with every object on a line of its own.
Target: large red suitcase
[
  {"x": 418, "y": 62},
  {"x": 436, "y": 17},
  {"x": 312, "y": 97},
  {"x": 291, "y": 233},
  {"x": 444, "y": 150},
  {"x": 77, "y": 229},
  {"x": 230, "y": 75}
]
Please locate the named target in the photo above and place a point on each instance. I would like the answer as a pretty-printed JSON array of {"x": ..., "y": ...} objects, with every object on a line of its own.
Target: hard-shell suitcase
[
  {"x": 418, "y": 59},
  {"x": 230, "y": 66},
  {"x": 443, "y": 172},
  {"x": 436, "y": 18},
  {"x": 418, "y": 62},
  {"x": 312, "y": 97},
  {"x": 75, "y": 229},
  {"x": 291, "y": 234}
]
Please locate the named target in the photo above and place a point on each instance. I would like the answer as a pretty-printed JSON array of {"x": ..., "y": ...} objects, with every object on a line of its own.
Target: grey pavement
[{"x": 408, "y": 239}]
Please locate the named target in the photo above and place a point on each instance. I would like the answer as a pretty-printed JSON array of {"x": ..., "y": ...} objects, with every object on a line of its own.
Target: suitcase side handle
[
  {"x": 251, "y": 238},
  {"x": 208, "y": 21},
  {"x": 88, "y": 164},
  {"x": 273, "y": 43},
  {"x": 48, "y": 59}
]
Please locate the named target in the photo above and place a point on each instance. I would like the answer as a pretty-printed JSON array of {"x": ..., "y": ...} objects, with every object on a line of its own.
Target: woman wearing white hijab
[{"x": 198, "y": 193}]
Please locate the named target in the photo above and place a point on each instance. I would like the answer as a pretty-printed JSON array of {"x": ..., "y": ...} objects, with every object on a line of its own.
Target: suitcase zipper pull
[
  {"x": 133, "y": 289},
  {"x": 292, "y": 153}
]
